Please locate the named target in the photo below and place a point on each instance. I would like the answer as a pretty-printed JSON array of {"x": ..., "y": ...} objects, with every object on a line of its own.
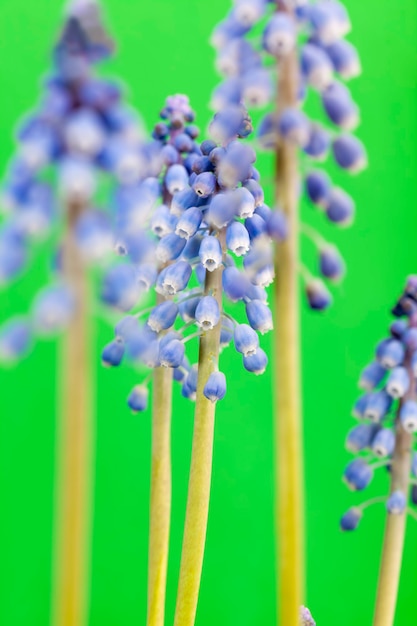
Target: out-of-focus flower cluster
[
  {"x": 80, "y": 138},
  {"x": 386, "y": 409},
  {"x": 252, "y": 44},
  {"x": 204, "y": 213}
]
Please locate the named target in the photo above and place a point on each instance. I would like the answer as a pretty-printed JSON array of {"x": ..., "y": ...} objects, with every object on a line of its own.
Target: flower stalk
[
  {"x": 201, "y": 469},
  {"x": 392, "y": 551},
  {"x": 289, "y": 500},
  {"x": 161, "y": 492},
  {"x": 75, "y": 446}
]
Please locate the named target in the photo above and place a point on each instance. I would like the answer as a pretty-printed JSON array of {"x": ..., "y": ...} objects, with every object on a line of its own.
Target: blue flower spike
[{"x": 385, "y": 438}]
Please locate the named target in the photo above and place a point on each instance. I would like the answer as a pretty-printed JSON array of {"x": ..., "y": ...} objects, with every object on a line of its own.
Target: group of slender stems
[{"x": 75, "y": 453}]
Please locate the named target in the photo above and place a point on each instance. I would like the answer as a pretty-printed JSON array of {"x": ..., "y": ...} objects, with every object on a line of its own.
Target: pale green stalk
[
  {"x": 392, "y": 551},
  {"x": 75, "y": 448},
  {"x": 289, "y": 498},
  {"x": 200, "y": 473},
  {"x": 160, "y": 507}
]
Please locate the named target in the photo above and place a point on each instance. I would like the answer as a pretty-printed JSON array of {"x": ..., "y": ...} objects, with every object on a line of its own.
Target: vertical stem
[
  {"x": 289, "y": 501},
  {"x": 160, "y": 509},
  {"x": 200, "y": 473},
  {"x": 392, "y": 550},
  {"x": 74, "y": 449}
]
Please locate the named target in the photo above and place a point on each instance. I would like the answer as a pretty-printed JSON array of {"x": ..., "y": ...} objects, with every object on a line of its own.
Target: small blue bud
[
  {"x": 408, "y": 416},
  {"x": 192, "y": 379},
  {"x": 120, "y": 287},
  {"x": 255, "y": 226},
  {"x": 15, "y": 338},
  {"x": 360, "y": 405},
  {"x": 112, "y": 354},
  {"x": 246, "y": 340},
  {"x": 318, "y": 143},
  {"x": 398, "y": 382},
  {"x": 372, "y": 376},
  {"x": 351, "y": 519},
  {"x": 176, "y": 178},
  {"x": 146, "y": 275},
  {"x": 390, "y": 353},
  {"x": 174, "y": 278},
  {"x": 384, "y": 442},
  {"x": 256, "y": 191},
  {"x": 183, "y": 200},
  {"x": 235, "y": 284},
  {"x": 349, "y": 153},
  {"x": 237, "y": 238},
  {"x": 211, "y": 254},
  {"x": 127, "y": 328},
  {"x": 221, "y": 211},
  {"x": 340, "y": 207},
  {"x": 396, "y": 503},
  {"x": 207, "y": 146},
  {"x": 228, "y": 93},
  {"x": 259, "y": 316},
  {"x": 169, "y": 155},
  {"x": 409, "y": 338},
  {"x": 293, "y": 126},
  {"x": 316, "y": 66},
  {"x": 279, "y": 35},
  {"x": 207, "y": 313},
  {"x": 256, "y": 363},
  {"x": 183, "y": 143},
  {"x": 398, "y": 328},
  {"x": 170, "y": 247},
  {"x": 331, "y": 263},
  {"x": 267, "y": 132},
  {"x": 171, "y": 354},
  {"x": 215, "y": 387},
  {"x": 318, "y": 296},
  {"x": 358, "y": 475},
  {"x": 226, "y": 333},
  {"x": 339, "y": 106},
  {"x": 205, "y": 184},
  {"x": 138, "y": 399},
  {"x": 53, "y": 310},
  {"x": 163, "y": 316},
  {"x": 277, "y": 226},
  {"x": 360, "y": 437},
  {"x": 345, "y": 59},
  {"x": 318, "y": 186},
  {"x": 257, "y": 88},
  {"x": 189, "y": 223},
  {"x": 378, "y": 405},
  {"x": 245, "y": 202},
  {"x": 163, "y": 222},
  {"x": 329, "y": 20}
]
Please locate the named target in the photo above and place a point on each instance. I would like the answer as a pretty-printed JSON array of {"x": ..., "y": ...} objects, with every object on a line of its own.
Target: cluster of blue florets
[
  {"x": 388, "y": 404},
  {"x": 204, "y": 212},
  {"x": 316, "y": 31},
  {"x": 80, "y": 132}
]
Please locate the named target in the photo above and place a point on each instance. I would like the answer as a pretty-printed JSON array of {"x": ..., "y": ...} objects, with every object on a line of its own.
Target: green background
[{"x": 162, "y": 49}]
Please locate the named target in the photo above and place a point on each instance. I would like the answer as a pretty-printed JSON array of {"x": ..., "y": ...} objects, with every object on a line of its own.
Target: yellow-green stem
[
  {"x": 392, "y": 550},
  {"x": 289, "y": 500},
  {"x": 74, "y": 448},
  {"x": 160, "y": 509},
  {"x": 200, "y": 473}
]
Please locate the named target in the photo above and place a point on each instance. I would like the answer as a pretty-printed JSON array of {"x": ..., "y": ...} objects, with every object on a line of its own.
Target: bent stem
[
  {"x": 200, "y": 473},
  {"x": 392, "y": 550},
  {"x": 289, "y": 499},
  {"x": 160, "y": 507},
  {"x": 74, "y": 447}
]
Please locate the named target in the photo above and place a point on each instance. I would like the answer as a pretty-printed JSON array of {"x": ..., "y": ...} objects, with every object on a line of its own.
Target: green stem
[
  {"x": 392, "y": 551},
  {"x": 75, "y": 448},
  {"x": 289, "y": 500},
  {"x": 160, "y": 507},
  {"x": 200, "y": 473}
]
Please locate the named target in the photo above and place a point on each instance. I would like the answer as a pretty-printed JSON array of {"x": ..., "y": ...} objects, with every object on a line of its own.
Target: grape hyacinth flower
[
  {"x": 80, "y": 134},
  {"x": 301, "y": 53},
  {"x": 387, "y": 415},
  {"x": 205, "y": 256}
]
